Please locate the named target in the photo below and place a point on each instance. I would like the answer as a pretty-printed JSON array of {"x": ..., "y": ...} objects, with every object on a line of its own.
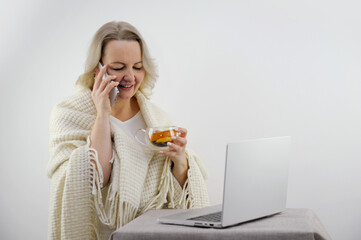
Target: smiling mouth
[{"x": 125, "y": 86}]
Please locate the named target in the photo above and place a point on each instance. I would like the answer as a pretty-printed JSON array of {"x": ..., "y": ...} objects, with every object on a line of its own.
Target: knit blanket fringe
[
  {"x": 166, "y": 190},
  {"x": 114, "y": 213}
]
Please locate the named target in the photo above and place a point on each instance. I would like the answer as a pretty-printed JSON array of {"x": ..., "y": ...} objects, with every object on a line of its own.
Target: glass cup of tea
[{"x": 157, "y": 138}]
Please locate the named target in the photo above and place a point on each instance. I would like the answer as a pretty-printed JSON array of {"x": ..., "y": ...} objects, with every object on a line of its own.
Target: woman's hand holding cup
[{"x": 177, "y": 149}]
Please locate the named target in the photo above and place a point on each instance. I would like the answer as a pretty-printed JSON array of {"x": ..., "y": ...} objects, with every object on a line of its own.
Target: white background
[{"x": 229, "y": 70}]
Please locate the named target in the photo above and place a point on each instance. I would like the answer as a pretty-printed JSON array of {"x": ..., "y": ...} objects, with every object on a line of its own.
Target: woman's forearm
[
  {"x": 180, "y": 173},
  {"x": 101, "y": 141}
]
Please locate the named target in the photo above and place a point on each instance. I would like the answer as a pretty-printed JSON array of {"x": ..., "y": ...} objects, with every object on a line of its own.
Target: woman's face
[{"x": 124, "y": 59}]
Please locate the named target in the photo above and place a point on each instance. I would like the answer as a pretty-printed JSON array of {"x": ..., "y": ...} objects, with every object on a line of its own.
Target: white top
[{"x": 131, "y": 126}]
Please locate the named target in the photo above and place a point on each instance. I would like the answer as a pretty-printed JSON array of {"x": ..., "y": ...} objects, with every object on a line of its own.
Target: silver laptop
[{"x": 255, "y": 185}]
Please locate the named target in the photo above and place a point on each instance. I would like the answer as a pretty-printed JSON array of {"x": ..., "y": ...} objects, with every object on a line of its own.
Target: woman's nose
[{"x": 129, "y": 76}]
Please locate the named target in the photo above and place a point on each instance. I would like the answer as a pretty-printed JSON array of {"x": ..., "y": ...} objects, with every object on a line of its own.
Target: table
[{"x": 292, "y": 224}]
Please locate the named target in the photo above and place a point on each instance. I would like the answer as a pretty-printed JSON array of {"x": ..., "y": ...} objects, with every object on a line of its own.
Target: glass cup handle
[{"x": 136, "y": 136}]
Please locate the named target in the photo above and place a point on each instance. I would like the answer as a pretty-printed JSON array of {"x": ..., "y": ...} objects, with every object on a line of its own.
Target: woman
[{"x": 100, "y": 177}]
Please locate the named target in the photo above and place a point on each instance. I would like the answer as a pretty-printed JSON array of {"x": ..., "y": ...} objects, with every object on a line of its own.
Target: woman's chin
[{"x": 125, "y": 96}]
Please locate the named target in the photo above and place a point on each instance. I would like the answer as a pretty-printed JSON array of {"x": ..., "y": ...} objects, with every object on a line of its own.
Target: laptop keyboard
[{"x": 213, "y": 217}]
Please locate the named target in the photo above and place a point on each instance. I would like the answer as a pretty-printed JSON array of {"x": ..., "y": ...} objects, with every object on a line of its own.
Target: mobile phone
[{"x": 113, "y": 94}]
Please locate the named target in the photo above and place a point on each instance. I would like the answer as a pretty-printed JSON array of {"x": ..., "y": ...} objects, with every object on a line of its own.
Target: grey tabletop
[{"x": 295, "y": 224}]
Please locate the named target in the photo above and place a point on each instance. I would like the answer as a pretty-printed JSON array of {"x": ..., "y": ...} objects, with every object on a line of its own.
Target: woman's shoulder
[
  {"x": 156, "y": 109},
  {"x": 79, "y": 100},
  {"x": 77, "y": 108},
  {"x": 155, "y": 112}
]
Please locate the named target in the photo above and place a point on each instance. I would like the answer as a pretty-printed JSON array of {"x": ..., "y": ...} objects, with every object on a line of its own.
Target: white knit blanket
[{"x": 80, "y": 206}]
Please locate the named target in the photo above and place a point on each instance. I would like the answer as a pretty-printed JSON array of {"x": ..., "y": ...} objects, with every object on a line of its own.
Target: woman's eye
[
  {"x": 118, "y": 69},
  {"x": 137, "y": 68}
]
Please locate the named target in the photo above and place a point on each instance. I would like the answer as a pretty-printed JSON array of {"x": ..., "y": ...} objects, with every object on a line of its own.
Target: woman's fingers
[
  {"x": 181, "y": 141},
  {"x": 171, "y": 154},
  {"x": 106, "y": 82},
  {"x": 183, "y": 131},
  {"x": 177, "y": 149},
  {"x": 99, "y": 76},
  {"x": 101, "y": 90},
  {"x": 110, "y": 86},
  {"x": 174, "y": 147}
]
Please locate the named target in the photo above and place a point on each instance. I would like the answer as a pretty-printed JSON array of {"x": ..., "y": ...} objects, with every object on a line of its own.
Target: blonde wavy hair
[{"x": 118, "y": 31}]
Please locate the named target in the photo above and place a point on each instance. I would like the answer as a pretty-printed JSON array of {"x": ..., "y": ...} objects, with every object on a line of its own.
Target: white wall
[{"x": 229, "y": 70}]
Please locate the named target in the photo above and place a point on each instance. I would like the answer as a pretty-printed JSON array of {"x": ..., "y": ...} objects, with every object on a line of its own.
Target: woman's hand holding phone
[
  {"x": 101, "y": 90},
  {"x": 100, "y": 137}
]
